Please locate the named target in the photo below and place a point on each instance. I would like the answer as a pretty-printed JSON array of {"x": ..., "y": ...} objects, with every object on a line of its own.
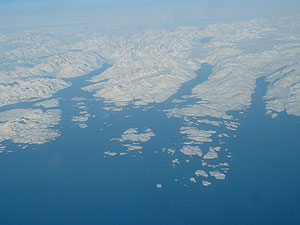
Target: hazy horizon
[{"x": 21, "y": 13}]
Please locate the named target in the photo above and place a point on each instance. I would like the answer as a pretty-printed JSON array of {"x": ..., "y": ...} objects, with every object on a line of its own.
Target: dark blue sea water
[{"x": 68, "y": 181}]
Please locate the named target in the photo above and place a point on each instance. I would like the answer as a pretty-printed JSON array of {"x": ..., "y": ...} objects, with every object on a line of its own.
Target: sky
[{"x": 24, "y": 13}]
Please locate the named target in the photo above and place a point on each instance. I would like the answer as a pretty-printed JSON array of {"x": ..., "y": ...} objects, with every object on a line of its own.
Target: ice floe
[
  {"x": 82, "y": 118},
  {"x": 159, "y": 186},
  {"x": 211, "y": 154},
  {"x": 132, "y": 139},
  {"x": 218, "y": 175},
  {"x": 191, "y": 150},
  {"x": 201, "y": 173},
  {"x": 133, "y": 135},
  {"x": 206, "y": 183},
  {"x": 199, "y": 136},
  {"x": 108, "y": 153}
]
